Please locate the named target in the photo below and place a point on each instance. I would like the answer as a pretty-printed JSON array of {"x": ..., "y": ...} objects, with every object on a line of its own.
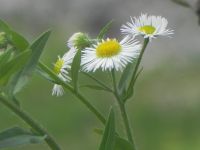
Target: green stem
[
  {"x": 123, "y": 110},
  {"x": 146, "y": 41},
  {"x": 77, "y": 94},
  {"x": 24, "y": 116}
]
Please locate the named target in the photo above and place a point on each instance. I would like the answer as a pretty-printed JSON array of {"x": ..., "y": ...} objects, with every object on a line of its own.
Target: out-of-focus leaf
[
  {"x": 75, "y": 69},
  {"x": 120, "y": 143},
  {"x": 17, "y": 136},
  {"x": 18, "y": 41},
  {"x": 36, "y": 48},
  {"x": 15, "y": 38},
  {"x": 130, "y": 91},
  {"x": 182, "y": 3},
  {"x": 108, "y": 140},
  {"x": 4, "y": 58},
  {"x": 4, "y": 27},
  {"x": 104, "y": 30},
  {"x": 13, "y": 66},
  {"x": 94, "y": 87}
]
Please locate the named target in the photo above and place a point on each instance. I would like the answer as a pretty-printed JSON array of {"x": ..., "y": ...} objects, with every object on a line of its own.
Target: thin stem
[
  {"x": 146, "y": 41},
  {"x": 123, "y": 110},
  {"x": 24, "y": 116},
  {"x": 77, "y": 94},
  {"x": 99, "y": 82}
]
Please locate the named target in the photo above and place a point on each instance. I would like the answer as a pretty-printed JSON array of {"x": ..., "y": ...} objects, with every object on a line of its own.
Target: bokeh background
[{"x": 165, "y": 111}]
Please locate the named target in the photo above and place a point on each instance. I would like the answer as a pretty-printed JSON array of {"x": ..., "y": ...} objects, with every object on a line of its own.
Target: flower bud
[{"x": 79, "y": 40}]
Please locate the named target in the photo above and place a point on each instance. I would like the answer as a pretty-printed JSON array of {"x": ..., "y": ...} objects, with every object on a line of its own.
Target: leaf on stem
[
  {"x": 17, "y": 136},
  {"x": 182, "y": 3},
  {"x": 120, "y": 143},
  {"x": 75, "y": 69},
  {"x": 15, "y": 38},
  {"x": 36, "y": 49},
  {"x": 108, "y": 140},
  {"x": 104, "y": 30}
]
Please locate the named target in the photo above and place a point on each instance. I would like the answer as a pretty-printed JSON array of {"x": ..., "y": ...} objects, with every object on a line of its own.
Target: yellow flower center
[
  {"x": 108, "y": 48},
  {"x": 147, "y": 29},
  {"x": 58, "y": 65}
]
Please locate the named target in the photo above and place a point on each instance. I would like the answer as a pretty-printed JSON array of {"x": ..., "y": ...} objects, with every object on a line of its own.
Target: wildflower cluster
[{"x": 110, "y": 53}]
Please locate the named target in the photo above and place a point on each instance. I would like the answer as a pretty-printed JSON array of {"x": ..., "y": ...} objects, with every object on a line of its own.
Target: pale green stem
[
  {"x": 77, "y": 94},
  {"x": 32, "y": 123},
  {"x": 146, "y": 41},
  {"x": 123, "y": 110}
]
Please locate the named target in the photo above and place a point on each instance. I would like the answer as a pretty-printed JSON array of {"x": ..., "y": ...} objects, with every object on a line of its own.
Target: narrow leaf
[
  {"x": 18, "y": 41},
  {"x": 182, "y": 3},
  {"x": 75, "y": 69},
  {"x": 14, "y": 65},
  {"x": 104, "y": 30},
  {"x": 122, "y": 144},
  {"x": 17, "y": 136},
  {"x": 108, "y": 140},
  {"x": 15, "y": 38},
  {"x": 37, "y": 48}
]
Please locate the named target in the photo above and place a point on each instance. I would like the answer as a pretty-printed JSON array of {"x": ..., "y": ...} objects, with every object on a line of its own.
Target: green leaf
[
  {"x": 94, "y": 87},
  {"x": 17, "y": 136},
  {"x": 13, "y": 66},
  {"x": 124, "y": 79},
  {"x": 131, "y": 90},
  {"x": 122, "y": 144},
  {"x": 37, "y": 48},
  {"x": 18, "y": 41},
  {"x": 75, "y": 69},
  {"x": 108, "y": 140},
  {"x": 5, "y": 57},
  {"x": 104, "y": 30},
  {"x": 15, "y": 38},
  {"x": 4, "y": 27},
  {"x": 182, "y": 3}
]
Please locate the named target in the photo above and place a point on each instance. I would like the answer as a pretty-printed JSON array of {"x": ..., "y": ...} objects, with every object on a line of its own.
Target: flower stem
[
  {"x": 24, "y": 116},
  {"x": 146, "y": 41},
  {"x": 123, "y": 111},
  {"x": 76, "y": 93}
]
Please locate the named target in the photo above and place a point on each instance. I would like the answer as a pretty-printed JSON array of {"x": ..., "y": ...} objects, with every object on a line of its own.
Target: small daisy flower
[
  {"x": 148, "y": 26},
  {"x": 61, "y": 68},
  {"x": 79, "y": 41},
  {"x": 110, "y": 54}
]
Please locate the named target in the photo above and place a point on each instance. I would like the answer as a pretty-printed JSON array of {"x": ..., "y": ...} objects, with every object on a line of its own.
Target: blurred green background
[{"x": 165, "y": 111}]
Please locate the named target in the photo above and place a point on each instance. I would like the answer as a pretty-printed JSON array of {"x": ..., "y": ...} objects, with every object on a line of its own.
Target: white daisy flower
[
  {"x": 61, "y": 68},
  {"x": 148, "y": 26},
  {"x": 110, "y": 54}
]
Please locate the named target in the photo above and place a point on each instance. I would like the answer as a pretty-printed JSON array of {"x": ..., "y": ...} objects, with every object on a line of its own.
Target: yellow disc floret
[
  {"x": 58, "y": 65},
  {"x": 148, "y": 29},
  {"x": 108, "y": 48}
]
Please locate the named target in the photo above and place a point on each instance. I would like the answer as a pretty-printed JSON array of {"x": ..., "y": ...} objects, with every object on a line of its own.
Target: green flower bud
[
  {"x": 79, "y": 40},
  {"x": 3, "y": 40}
]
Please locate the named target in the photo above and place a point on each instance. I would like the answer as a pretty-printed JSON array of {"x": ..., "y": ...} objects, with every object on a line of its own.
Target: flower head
[
  {"x": 61, "y": 68},
  {"x": 110, "y": 54},
  {"x": 79, "y": 40},
  {"x": 148, "y": 26}
]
